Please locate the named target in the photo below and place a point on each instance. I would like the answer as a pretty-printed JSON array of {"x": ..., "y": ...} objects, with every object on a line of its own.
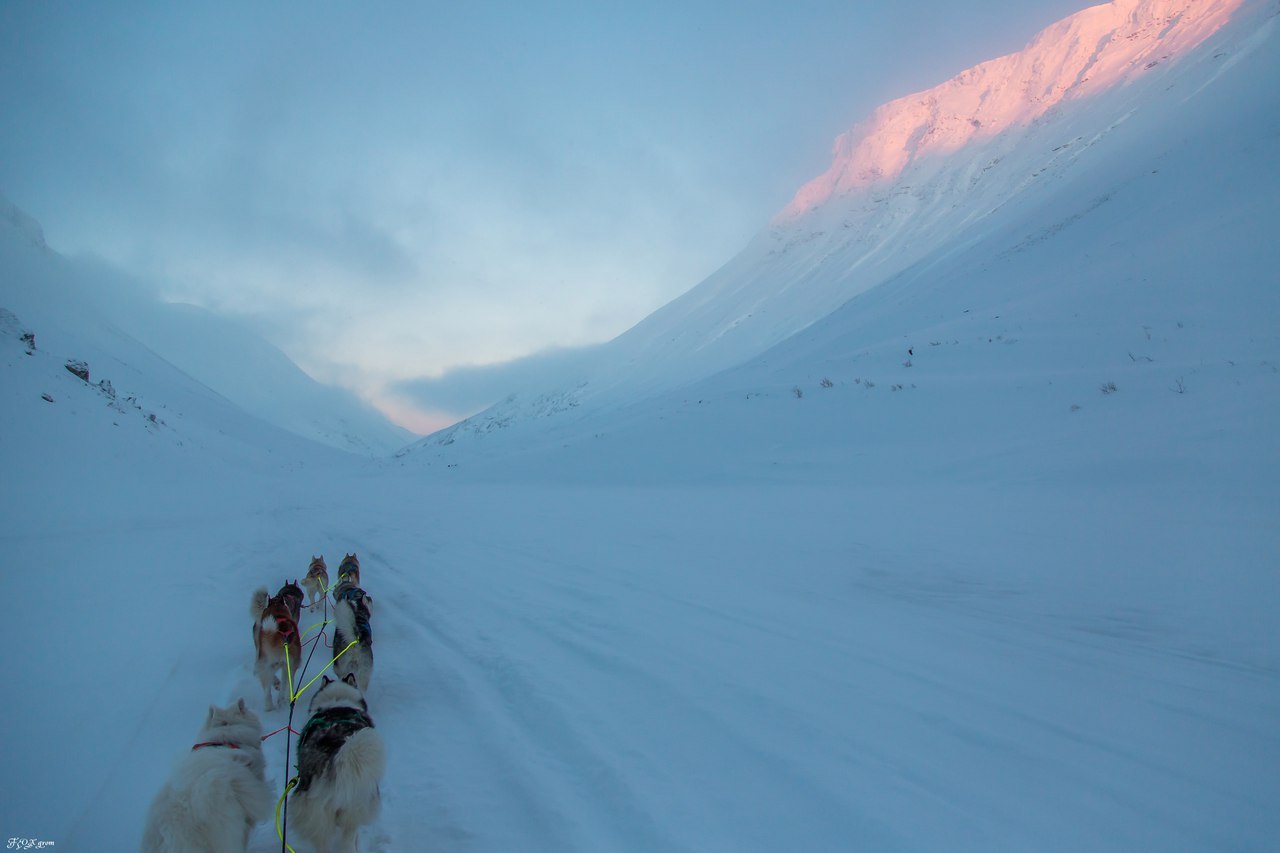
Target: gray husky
[
  {"x": 216, "y": 793},
  {"x": 341, "y": 759},
  {"x": 351, "y": 622}
]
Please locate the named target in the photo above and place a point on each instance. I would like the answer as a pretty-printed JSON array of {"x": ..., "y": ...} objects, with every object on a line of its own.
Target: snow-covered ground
[
  {"x": 1005, "y": 580},
  {"x": 936, "y": 663}
]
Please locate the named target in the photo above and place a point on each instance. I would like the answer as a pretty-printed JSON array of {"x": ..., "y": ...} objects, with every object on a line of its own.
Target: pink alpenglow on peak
[{"x": 1086, "y": 53}]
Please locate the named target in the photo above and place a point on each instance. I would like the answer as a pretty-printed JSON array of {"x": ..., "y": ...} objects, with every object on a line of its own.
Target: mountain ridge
[{"x": 1093, "y": 50}]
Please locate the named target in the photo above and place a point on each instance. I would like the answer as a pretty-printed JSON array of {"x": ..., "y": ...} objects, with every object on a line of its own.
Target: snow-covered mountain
[
  {"x": 257, "y": 376},
  {"x": 990, "y": 163},
  {"x": 1101, "y": 48},
  {"x": 90, "y": 302}
]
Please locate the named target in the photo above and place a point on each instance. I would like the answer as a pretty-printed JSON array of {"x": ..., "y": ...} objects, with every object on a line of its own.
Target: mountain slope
[
  {"x": 1084, "y": 55},
  {"x": 933, "y": 191},
  {"x": 95, "y": 303},
  {"x": 263, "y": 380}
]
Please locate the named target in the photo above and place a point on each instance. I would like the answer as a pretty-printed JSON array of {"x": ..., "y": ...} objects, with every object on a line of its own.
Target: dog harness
[
  {"x": 215, "y": 743},
  {"x": 355, "y": 595},
  {"x": 351, "y": 593},
  {"x": 325, "y": 733},
  {"x": 363, "y": 630},
  {"x": 286, "y": 625}
]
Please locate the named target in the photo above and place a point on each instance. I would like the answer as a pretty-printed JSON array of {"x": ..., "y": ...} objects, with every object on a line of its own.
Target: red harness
[{"x": 214, "y": 743}]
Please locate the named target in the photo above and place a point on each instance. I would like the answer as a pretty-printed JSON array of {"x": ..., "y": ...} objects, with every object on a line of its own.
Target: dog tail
[
  {"x": 360, "y": 765},
  {"x": 259, "y": 601},
  {"x": 344, "y": 625}
]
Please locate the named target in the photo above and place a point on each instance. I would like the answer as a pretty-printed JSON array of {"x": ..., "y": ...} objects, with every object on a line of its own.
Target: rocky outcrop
[{"x": 79, "y": 368}]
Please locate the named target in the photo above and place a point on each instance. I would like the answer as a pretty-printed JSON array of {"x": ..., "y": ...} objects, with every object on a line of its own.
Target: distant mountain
[
  {"x": 89, "y": 302},
  {"x": 257, "y": 376},
  {"x": 1018, "y": 157},
  {"x": 19, "y": 226}
]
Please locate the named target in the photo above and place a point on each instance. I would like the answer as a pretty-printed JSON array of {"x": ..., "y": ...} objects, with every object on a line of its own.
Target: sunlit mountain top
[{"x": 1096, "y": 49}]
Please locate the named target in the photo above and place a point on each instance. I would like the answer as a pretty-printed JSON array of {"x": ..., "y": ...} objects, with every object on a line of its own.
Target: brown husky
[
  {"x": 275, "y": 634},
  {"x": 317, "y": 581}
]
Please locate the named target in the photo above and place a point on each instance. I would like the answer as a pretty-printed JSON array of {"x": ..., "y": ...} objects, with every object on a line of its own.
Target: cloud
[{"x": 463, "y": 391}]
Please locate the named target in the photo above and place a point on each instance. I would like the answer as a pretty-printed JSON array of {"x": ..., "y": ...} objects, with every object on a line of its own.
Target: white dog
[
  {"x": 341, "y": 759},
  {"x": 217, "y": 792}
]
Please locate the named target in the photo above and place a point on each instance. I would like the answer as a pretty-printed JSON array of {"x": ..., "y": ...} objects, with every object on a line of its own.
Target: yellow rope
[
  {"x": 312, "y": 628},
  {"x": 279, "y": 804},
  {"x": 304, "y": 687}
]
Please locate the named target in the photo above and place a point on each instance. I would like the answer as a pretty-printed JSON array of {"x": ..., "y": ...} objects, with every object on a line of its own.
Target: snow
[{"x": 965, "y": 594}]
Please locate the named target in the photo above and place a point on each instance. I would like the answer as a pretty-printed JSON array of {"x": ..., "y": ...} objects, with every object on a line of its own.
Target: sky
[{"x": 428, "y": 204}]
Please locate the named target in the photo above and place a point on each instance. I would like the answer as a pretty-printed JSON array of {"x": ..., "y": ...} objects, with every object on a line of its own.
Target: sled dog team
[{"x": 218, "y": 792}]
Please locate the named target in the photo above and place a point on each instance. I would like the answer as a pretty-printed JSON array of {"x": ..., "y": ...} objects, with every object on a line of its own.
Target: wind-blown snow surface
[{"x": 1005, "y": 606}]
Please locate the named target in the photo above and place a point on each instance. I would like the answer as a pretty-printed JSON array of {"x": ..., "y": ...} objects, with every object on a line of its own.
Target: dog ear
[
  {"x": 213, "y": 712},
  {"x": 350, "y": 678},
  {"x": 327, "y": 680}
]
